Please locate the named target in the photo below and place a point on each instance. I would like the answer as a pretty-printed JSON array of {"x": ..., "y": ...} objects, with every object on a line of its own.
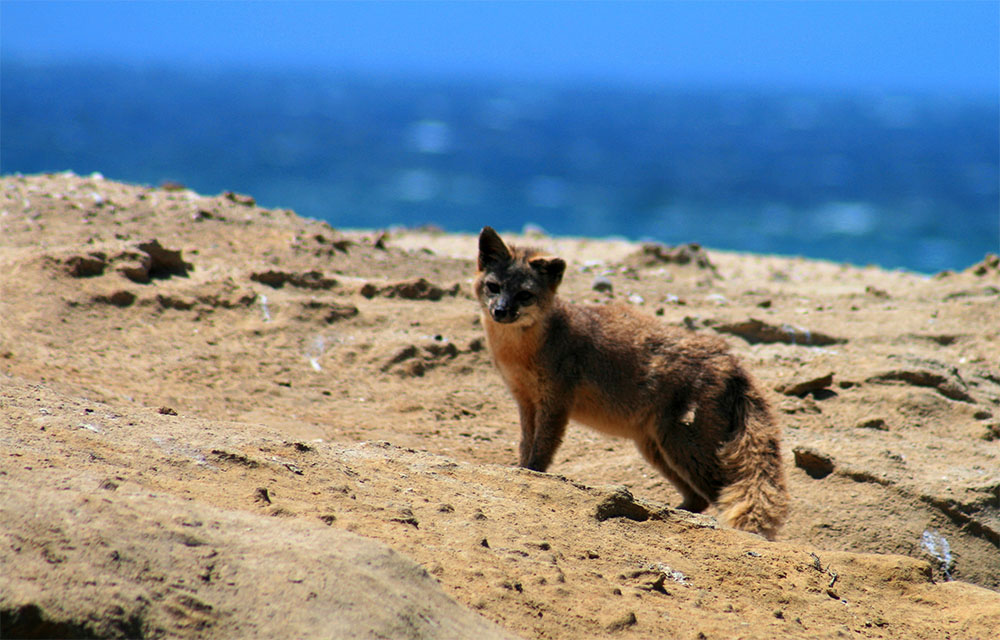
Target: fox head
[{"x": 514, "y": 285}]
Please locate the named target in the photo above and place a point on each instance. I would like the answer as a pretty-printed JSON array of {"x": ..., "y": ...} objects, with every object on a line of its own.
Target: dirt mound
[
  {"x": 116, "y": 561},
  {"x": 183, "y": 376}
]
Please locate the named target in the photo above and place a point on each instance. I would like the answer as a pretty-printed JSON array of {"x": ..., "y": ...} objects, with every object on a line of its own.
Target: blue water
[{"x": 898, "y": 180}]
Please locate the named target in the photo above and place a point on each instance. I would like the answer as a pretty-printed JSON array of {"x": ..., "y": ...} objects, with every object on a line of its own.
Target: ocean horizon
[{"x": 900, "y": 180}]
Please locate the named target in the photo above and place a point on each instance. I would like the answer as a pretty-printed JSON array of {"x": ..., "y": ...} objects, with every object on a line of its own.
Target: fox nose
[{"x": 502, "y": 312}]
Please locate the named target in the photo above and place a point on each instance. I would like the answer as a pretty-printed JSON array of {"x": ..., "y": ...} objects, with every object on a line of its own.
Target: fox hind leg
[
  {"x": 694, "y": 500},
  {"x": 690, "y": 448}
]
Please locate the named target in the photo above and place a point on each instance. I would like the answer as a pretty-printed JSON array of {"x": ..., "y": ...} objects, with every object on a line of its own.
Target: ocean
[{"x": 899, "y": 180}]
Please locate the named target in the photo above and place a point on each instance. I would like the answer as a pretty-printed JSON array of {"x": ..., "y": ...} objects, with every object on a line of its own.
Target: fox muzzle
[{"x": 503, "y": 311}]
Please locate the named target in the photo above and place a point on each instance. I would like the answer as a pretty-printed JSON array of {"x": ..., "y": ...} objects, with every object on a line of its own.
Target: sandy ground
[{"x": 218, "y": 420}]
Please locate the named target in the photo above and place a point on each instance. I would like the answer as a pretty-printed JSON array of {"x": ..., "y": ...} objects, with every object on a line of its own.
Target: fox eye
[
  {"x": 524, "y": 297},
  {"x": 493, "y": 287}
]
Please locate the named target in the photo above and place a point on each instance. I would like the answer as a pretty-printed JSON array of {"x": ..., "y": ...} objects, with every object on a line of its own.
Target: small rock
[
  {"x": 805, "y": 405},
  {"x": 989, "y": 264},
  {"x": 406, "y": 517},
  {"x": 947, "y": 383},
  {"x": 134, "y": 266},
  {"x": 756, "y": 331},
  {"x": 878, "y": 424},
  {"x": 808, "y": 385},
  {"x": 816, "y": 464},
  {"x": 621, "y": 504},
  {"x": 895, "y": 457},
  {"x": 155, "y": 261},
  {"x": 119, "y": 299},
  {"x": 239, "y": 198},
  {"x": 236, "y": 458},
  {"x": 652, "y": 253},
  {"x": 602, "y": 284},
  {"x": 407, "y": 352},
  {"x": 179, "y": 303},
  {"x": 413, "y": 369},
  {"x": 991, "y": 433},
  {"x": 306, "y": 280},
  {"x": 622, "y": 623},
  {"x": 416, "y": 289},
  {"x": 693, "y": 323},
  {"x": 447, "y": 350},
  {"x": 272, "y": 278},
  {"x": 649, "y": 580},
  {"x": 330, "y": 312},
  {"x": 86, "y": 266},
  {"x": 164, "y": 262}
]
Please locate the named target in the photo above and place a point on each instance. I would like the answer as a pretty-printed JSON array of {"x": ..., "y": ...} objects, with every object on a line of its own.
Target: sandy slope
[{"x": 212, "y": 418}]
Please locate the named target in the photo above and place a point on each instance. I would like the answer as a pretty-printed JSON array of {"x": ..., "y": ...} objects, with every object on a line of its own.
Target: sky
[{"x": 940, "y": 47}]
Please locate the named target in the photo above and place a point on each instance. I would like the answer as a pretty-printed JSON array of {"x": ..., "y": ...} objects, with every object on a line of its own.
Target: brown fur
[{"x": 692, "y": 409}]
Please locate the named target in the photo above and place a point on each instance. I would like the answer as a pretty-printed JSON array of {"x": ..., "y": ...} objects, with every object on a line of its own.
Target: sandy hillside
[{"x": 222, "y": 421}]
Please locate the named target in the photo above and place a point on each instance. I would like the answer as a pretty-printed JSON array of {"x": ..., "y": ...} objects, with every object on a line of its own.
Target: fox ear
[
  {"x": 551, "y": 269},
  {"x": 492, "y": 249}
]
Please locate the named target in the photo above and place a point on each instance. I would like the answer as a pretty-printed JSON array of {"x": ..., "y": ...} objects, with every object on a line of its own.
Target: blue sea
[{"x": 896, "y": 179}]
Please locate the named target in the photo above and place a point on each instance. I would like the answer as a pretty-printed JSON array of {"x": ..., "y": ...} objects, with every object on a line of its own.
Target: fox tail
[{"x": 756, "y": 499}]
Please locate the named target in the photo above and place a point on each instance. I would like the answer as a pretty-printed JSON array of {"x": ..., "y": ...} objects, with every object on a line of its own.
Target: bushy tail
[{"x": 756, "y": 499}]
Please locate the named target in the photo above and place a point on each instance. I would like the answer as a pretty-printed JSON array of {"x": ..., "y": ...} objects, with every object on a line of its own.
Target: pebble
[
  {"x": 817, "y": 465},
  {"x": 603, "y": 284}
]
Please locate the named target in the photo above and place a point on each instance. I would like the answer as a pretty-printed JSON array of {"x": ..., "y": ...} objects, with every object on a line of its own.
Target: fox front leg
[
  {"x": 540, "y": 441},
  {"x": 526, "y": 408}
]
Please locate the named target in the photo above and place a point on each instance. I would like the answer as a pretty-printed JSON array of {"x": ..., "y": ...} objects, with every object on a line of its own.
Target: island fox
[{"x": 693, "y": 411}]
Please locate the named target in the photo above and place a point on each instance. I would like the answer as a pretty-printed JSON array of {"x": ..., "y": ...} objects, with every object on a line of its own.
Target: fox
[{"x": 692, "y": 409}]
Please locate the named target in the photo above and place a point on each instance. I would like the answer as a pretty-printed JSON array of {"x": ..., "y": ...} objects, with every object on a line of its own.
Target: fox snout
[{"x": 502, "y": 310}]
